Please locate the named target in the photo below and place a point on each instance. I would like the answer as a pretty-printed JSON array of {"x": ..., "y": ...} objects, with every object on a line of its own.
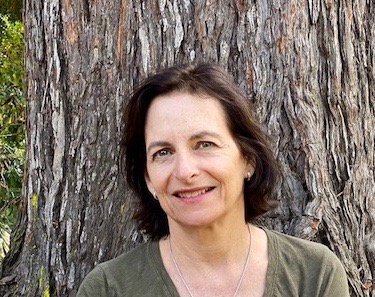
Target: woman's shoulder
[
  {"x": 121, "y": 273},
  {"x": 298, "y": 267},
  {"x": 131, "y": 260},
  {"x": 293, "y": 248}
]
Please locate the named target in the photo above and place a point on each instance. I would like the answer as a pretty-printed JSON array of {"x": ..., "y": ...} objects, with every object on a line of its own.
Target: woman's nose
[{"x": 185, "y": 166}]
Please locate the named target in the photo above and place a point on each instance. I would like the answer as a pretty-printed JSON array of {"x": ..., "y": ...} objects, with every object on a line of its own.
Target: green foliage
[
  {"x": 12, "y": 8},
  {"x": 12, "y": 118}
]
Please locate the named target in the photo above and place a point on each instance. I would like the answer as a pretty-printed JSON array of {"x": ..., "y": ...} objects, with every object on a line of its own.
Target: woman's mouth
[{"x": 192, "y": 194}]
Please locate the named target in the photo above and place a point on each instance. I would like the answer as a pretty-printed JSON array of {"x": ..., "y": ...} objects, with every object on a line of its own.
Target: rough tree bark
[{"x": 307, "y": 65}]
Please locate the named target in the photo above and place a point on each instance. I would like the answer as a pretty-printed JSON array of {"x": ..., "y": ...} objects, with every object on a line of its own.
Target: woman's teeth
[{"x": 193, "y": 194}]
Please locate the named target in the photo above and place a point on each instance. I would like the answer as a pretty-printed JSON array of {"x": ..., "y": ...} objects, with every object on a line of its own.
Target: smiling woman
[
  {"x": 206, "y": 82},
  {"x": 200, "y": 165},
  {"x": 194, "y": 165}
]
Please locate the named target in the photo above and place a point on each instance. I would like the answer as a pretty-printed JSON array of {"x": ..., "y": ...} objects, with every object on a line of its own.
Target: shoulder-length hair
[{"x": 213, "y": 81}]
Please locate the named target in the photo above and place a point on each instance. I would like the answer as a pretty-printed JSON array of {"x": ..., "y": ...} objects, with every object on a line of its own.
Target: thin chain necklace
[{"x": 242, "y": 275}]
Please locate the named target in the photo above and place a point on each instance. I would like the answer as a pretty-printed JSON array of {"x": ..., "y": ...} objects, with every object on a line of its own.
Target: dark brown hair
[{"x": 213, "y": 81}]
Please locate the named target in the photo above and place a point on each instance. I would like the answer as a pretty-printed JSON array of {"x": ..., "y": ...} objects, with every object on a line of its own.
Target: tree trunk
[{"x": 307, "y": 65}]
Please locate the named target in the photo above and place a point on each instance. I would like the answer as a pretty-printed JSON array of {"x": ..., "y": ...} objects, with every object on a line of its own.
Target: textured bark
[{"x": 307, "y": 65}]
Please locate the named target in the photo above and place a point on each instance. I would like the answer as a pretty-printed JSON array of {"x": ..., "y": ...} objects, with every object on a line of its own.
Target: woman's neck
[
  {"x": 212, "y": 245},
  {"x": 215, "y": 260}
]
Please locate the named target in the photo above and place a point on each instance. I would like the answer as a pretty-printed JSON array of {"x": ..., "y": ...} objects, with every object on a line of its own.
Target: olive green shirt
[{"x": 296, "y": 268}]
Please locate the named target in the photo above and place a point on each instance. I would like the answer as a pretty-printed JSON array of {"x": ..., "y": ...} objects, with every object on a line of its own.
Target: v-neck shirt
[{"x": 296, "y": 267}]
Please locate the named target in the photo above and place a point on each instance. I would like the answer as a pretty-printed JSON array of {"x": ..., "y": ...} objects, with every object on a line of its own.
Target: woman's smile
[{"x": 193, "y": 195}]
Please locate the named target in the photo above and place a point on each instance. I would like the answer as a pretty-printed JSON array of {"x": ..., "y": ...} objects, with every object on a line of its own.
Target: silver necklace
[{"x": 242, "y": 275}]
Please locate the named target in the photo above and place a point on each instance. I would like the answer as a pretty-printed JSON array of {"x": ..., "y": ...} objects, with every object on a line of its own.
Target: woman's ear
[{"x": 250, "y": 166}]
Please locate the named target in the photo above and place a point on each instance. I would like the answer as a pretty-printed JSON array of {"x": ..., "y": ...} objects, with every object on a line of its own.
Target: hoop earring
[
  {"x": 248, "y": 176},
  {"x": 155, "y": 197}
]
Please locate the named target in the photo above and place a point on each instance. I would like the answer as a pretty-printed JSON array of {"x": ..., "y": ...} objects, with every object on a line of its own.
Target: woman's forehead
[{"x": 185, "y": 113}]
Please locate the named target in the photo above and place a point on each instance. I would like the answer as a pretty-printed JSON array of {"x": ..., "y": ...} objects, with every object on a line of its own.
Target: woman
[{"x": 200, "y": 165}]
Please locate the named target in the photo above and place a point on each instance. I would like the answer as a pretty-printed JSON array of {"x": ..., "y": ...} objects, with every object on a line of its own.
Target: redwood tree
[{"x": 308, "y": 67}]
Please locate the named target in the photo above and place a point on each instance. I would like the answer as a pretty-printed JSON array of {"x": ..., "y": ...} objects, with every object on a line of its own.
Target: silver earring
[
  {"x": 155, "y": 197},
  {"x": 248, "y": 176}
]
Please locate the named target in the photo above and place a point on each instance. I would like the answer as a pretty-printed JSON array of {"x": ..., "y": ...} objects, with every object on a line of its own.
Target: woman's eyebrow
[
  {"x": 195, "y": 136},
  {"x": 157, "y": 144},
  {"x": 205, "y": 133}
]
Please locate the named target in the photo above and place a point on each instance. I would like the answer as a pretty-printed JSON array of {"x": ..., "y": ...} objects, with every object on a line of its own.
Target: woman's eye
[
  {"x": 160, "y": 154},
  {"x": 205, "y": 144}
]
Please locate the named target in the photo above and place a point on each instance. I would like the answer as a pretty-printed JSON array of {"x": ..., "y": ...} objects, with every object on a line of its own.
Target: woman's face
[{"x": 193, "y": 162}]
